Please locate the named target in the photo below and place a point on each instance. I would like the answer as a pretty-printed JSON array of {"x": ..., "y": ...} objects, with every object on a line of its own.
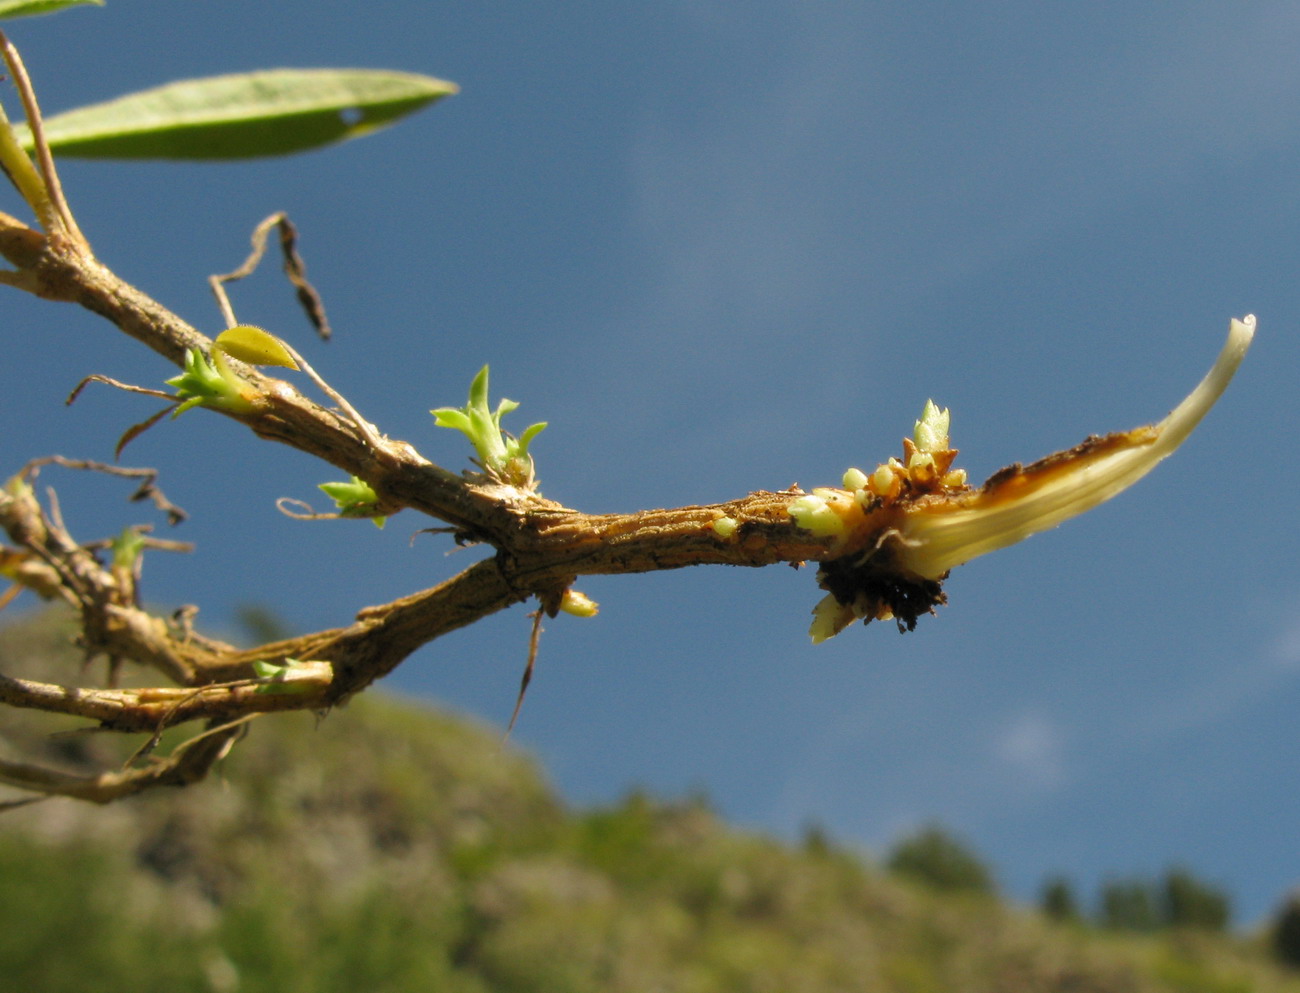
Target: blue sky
[{"x": 730, "y": 247}]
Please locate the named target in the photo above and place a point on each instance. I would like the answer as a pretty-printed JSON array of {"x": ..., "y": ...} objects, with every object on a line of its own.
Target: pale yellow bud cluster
[
  {"x": 882, "y": 486},
  {"x": 926, "y": 467},
  {"x": 823, "y": 512}
]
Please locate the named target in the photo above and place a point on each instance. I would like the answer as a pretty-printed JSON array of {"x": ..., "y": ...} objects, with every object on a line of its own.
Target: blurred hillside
[{"x": 390, "y": 847}]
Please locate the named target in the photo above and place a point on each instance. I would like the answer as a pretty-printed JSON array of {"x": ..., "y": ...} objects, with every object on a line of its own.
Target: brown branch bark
[
  {"x": 540, "y": 548},
  {"x": 188, "y": 764}
]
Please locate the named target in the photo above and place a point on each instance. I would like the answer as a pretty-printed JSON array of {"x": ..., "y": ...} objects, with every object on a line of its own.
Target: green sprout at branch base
[
  {"x": 214, "y": 383},
  {"x": 293, "y": 676},
  {"x": 502, "y": 456},
  {"x": 355, "y": 498}
]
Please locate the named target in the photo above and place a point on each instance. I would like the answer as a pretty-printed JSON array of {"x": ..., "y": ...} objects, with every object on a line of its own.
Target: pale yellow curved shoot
[{"x": 1016, "y": 503}]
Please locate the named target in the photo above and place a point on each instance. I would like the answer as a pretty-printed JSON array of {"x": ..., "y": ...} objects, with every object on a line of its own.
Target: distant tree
[
  {"x": 816, "y": 840},
  {"x": 1188, "y": 902},
  {"x": 1058, "y": 900},
  {"x": 1284, "y": 932},
  {"x": 935, "y": 858},
  {"x": 1129, "y": 905}
]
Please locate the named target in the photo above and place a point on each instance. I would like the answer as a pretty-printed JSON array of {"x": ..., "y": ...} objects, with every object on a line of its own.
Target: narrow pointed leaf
[
  {"x": 478, "y": 390},
  {"x": 452, "y": 417},
  {"x": 530, "y": 433},
  {"x": 28, "y": 8},
  {"x": 256, "y": 114}
]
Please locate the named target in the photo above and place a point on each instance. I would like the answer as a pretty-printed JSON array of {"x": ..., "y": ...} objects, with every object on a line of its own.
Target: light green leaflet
[
  {"x": 27, "y": 8},
  {"x": 255, "y": 114}
]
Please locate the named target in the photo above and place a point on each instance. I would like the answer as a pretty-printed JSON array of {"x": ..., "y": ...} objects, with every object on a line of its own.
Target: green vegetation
[
  {"x": 387, "y": 847},
  {"x": 1284, "y": 935},
  {"x": 1128, "y": 905},
  {"x": 1058, "y": 900},
  {"x": 1186, "y": 901},
  {"x": 1176, "y": 900},
  {"x": 934, "y": 858}
]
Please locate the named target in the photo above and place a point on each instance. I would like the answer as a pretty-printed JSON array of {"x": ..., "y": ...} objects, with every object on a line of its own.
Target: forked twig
[
  {"x": 296, "y": 270},
  {"x": 294, "y": 267},
  {"x": 147, "y": 490}
]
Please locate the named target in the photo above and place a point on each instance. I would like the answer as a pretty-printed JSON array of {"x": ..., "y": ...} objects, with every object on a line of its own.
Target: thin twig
[
  {"x": 56, "y": 511},
  {"x": 533, "y": 641},
  {"x": 294, "y": 267},
  {"x": 148, "y": 489},
  {"x": 8, "y": 596},
  {"x": 44, "y": 160},
  {"x": 238, "y": 722},
  {"x": 108, "y": 380},
  {"x": 368, "y": 431},
  {"x": 181, "y": 768},
  {"x": 25, "y": 802},
  {"x": 283, "y": 505}
]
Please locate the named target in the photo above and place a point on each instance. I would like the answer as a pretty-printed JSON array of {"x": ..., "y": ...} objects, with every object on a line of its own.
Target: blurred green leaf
[
  {"x": 275, "y": 112},
  {"x": 28, "y": 8}
]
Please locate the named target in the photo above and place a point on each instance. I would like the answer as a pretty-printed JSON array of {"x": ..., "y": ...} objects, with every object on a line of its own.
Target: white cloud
[
  {"x": 1285, "y": 652},
  {"x": 1031, "y": 747},
  {"x": 1226, "y": 691}
]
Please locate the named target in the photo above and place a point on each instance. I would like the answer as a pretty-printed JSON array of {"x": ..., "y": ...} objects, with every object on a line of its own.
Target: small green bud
[
  {"x": 355, "y": 498},
  {"x": 578, "y": 604},
  {"x": 931, "y": 431},
  {"x": 920, "y": 460},
  {"x": 214, "y": 386},
  {"x": 293, "y": 675},
  {"x": 725, "y": 526},
  {"x": 813, "y": 512},
  {"x": 854, "y": 479},
  {"x": 126, "y": 548},
  {"x": 884, "y": 481},
  {"x": 504, "y": 457}
]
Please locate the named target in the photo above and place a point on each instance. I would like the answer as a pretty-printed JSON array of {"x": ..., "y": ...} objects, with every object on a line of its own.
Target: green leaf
[
  {"x": 529, "y": 434},
  {"x": 202, "y": 382},
  {"x": 127, "y": 547},
  {"x": 452, "y": 417},
  {"x": 293, "y": 675},
  {"x": 503, "y": 457},
  {"x": 28, "y": 8},
  {"x": 355, "y": 498},
  {"x": 256, "y": 114},
  {"x": 254, "y": 346},
  {"x": 478, "y": 390}
]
